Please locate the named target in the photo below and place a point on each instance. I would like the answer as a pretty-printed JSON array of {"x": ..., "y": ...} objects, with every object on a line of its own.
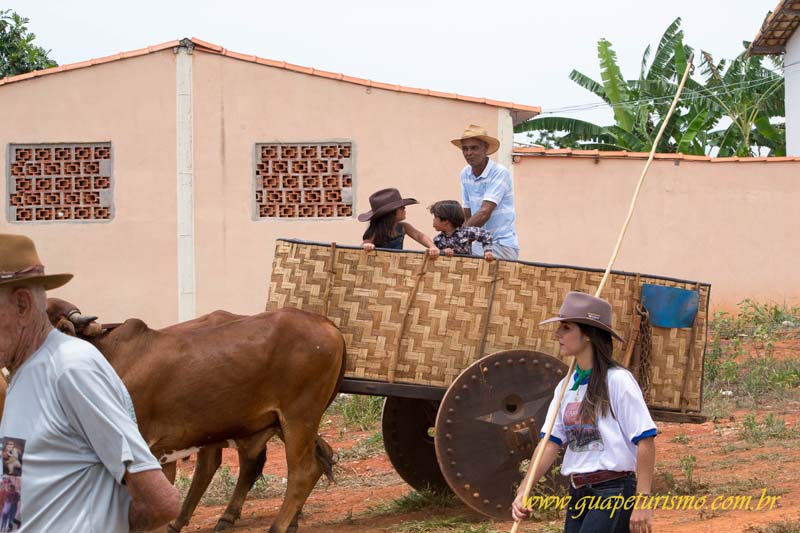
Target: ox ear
[{"x": 65, "y": 326}]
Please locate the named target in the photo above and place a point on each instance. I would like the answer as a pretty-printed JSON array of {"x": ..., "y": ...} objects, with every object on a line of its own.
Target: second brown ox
[{"x": 223, "y": 377}]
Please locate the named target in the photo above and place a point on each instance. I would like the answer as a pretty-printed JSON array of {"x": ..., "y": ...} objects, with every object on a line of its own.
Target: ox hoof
[{"x": 223, "y": 524}]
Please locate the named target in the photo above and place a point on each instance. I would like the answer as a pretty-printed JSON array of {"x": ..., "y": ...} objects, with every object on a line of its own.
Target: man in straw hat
[
  {"x": 487, "y": 192},
  {"x": 85, "y": 465}
]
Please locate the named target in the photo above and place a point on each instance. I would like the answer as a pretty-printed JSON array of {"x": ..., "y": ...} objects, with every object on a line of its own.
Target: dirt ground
[{"x": 726, "y": 464}]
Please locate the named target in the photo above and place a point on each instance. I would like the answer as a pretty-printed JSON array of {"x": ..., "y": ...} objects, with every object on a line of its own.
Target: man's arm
[
  {"x": 421, "y": 238},
  {"x": 95, "y": 407},
  {"x": 482, "y": 216},
  {"x": 482, "y": 236},
  {"x": 154, "y": 501}
]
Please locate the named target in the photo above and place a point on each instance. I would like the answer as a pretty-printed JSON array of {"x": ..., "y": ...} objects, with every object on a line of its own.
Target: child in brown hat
[
  {"x": 387, "y": 228},
  {"x": 455, "y": 237}
]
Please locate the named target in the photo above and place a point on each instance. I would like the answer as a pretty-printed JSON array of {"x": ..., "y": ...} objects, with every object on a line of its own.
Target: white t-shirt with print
[
  {"x": 610, "y": 444},
  {"x": 71, "y": 421}
]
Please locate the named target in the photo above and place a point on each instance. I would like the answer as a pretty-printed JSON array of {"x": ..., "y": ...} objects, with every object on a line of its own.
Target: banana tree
[{"x": 749, "y": 95}]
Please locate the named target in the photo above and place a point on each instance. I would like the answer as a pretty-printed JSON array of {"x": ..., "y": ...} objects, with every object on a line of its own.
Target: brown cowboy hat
[
  {"x": 19, "y": 262},
  {"x": 476, "y": 132},
  {"x": 384, "y": 202},
  {"x": 585, "y": 309}
]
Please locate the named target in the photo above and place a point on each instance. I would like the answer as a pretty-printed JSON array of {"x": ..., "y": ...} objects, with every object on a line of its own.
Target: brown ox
[{"x": 223, "y": 377}]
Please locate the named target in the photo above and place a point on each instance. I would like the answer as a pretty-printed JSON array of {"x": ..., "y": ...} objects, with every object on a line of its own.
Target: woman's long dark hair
[
  {"x": 596, "y": 398},
  {"x": 382, "y": 229}
]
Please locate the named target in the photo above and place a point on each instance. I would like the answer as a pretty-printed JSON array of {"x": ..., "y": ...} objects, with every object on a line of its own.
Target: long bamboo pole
[{"x": 537, "y": 455}]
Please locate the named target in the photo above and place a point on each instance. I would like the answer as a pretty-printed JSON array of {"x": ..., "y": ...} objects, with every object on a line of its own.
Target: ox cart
[{"x": 455, "y": 347}]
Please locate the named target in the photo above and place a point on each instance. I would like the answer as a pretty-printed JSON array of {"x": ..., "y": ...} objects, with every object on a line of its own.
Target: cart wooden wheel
[
  {"x": 407, "y": 425},
  {"x": 488, "y": 425}
]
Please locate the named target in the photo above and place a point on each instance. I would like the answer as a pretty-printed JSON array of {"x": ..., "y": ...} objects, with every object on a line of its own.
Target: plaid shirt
[{"x": 461, "y": 240}]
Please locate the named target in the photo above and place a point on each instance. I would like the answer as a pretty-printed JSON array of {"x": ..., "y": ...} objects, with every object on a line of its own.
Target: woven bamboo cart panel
[{"x": 409, "y": 319}]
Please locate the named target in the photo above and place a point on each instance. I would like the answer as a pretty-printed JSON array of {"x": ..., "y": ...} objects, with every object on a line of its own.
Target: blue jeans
[{"x": 590, "y": 512}]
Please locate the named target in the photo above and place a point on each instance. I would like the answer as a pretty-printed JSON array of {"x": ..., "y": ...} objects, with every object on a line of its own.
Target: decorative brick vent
[
  {"x": 304, "y": 180},
  {"x": 59, "y": 182}
]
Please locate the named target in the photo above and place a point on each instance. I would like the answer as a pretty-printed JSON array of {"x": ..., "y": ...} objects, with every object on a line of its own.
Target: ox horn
[
  {"x": 80, "y": 320},
  {"x": 85, "y": 324}
]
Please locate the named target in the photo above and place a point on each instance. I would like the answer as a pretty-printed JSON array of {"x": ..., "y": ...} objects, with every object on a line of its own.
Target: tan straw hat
[
  {"x": 476, "y": 132},
  {"x": 585, "y": 309},
  {"x": 384, "y": 202},
  {"x": 19, "y": 262}
]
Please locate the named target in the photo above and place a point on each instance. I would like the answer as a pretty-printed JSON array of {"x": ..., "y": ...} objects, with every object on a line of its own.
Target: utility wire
[
  {"x": 737, "y": 87},
  {"x": 689, "y": 95}
]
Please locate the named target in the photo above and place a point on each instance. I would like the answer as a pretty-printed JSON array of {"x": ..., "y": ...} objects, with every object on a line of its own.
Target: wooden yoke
[{"x": 539, "y": 452}]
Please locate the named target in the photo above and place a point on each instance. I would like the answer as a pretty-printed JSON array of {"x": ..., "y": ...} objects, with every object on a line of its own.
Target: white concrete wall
[{"x": 792, "y": 75}]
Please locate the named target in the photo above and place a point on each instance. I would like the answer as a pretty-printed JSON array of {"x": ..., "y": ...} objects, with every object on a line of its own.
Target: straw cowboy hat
[
  {"x": 585, "y": 309},
  {"x": 19, "y": 262},
  {"x": 384, "y": 202},
  {"x": 476, "y": 132}
]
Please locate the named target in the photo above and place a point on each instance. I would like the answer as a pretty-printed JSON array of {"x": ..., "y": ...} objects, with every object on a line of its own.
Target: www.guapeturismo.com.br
[{"x": 616, "y": 503}]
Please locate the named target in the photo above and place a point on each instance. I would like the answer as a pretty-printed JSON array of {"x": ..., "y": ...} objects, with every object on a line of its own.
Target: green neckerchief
[{"x": 581, "y": 377}]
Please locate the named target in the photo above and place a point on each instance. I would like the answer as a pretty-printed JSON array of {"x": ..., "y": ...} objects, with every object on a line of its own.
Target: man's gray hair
[{"x": 37, "y": 291}]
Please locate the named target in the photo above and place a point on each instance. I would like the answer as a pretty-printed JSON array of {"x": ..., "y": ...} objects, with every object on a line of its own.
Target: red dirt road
[{"x": 726, "y": 464}]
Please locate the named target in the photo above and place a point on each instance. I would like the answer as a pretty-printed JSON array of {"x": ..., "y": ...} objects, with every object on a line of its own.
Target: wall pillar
[
  {"x": 505, "y": 133},
  {"x": 185, "y": 180},
  {"x": 791, "y": 62}
]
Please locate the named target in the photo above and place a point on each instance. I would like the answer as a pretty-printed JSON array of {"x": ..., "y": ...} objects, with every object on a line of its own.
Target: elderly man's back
[
  {"x": 66, "y": 415},
  {"x": 73, "y": 458}
]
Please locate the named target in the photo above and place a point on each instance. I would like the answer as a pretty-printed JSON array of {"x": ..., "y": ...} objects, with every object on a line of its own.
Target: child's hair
[
  {"x": 449, "y": 210},
  {"x": 382, "y": 229}
]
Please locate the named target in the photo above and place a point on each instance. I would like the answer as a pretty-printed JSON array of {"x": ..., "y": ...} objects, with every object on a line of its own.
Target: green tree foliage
[
  {"x": 751, "y": 96},
  {"x": 18, "y": 53},
  {"x": 732, "y": 110}
]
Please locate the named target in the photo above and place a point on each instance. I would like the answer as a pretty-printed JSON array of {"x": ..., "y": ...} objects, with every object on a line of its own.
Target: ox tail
[
  {"x": 325, "y": 457},
  {"x": 322, "y": 450}
]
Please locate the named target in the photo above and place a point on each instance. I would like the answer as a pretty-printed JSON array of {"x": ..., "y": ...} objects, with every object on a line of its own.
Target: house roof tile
[
  {"x": 521, "y": 112},
  {"x": 88, "y": 63},
  {"x": 538, "y": 151},
  {"x": 777, "y": 29}
]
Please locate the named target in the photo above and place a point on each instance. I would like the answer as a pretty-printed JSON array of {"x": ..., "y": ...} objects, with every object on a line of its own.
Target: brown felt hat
[
  {"x": 20, "y": 263},
  {"x": 384, "y": 202},
  {"x": 476, "y": 132},
  {"x": 585, "y": 309}
]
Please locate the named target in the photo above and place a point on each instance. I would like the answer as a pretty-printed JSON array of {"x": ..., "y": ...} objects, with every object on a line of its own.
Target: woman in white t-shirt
[{"x": 605, "y": 425}]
